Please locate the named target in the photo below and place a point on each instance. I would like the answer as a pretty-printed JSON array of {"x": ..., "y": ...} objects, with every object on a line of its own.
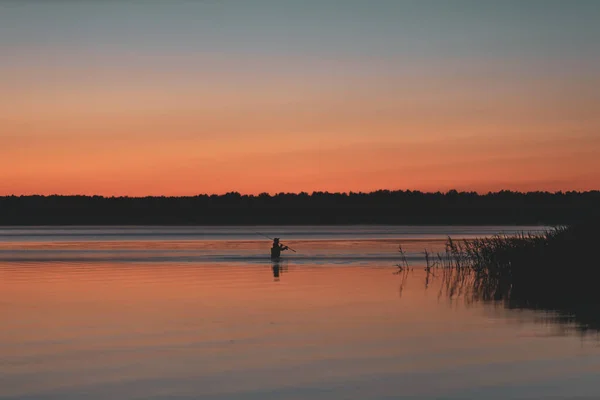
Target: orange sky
[{"x": 94, "y": 116}]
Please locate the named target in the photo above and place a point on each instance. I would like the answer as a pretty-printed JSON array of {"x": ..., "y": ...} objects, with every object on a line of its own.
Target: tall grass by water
[{"x": 557, "y": 270}]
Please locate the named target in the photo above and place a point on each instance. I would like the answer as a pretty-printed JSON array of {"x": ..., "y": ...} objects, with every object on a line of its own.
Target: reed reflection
[
  {"x": 553, "y": 299},
  {"x": 523, "y": 271}
]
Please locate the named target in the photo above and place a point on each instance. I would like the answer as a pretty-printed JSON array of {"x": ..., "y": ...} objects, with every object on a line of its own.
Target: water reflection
[
  {"x": 556, "y": 306},
  {"x": 278, "y": 268},
  {"x": 183, "y": 330}
]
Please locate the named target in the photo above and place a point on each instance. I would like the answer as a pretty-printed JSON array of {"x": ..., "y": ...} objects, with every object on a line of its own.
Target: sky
[{"x": 183, "y": 97}]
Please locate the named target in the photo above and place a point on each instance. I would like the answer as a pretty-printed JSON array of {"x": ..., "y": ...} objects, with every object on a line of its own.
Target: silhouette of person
[{"x": 277, "y": 249}]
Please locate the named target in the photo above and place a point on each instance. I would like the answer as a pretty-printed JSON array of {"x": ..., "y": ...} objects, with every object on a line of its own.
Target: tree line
[{"x": 378, "y": 207}]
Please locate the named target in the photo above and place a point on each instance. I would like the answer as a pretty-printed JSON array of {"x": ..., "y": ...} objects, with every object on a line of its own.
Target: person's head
[{"x": 276, "y": 240}]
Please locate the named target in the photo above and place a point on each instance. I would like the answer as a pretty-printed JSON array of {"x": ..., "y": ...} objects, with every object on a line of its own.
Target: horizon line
[{"x": 347, "y": 193}]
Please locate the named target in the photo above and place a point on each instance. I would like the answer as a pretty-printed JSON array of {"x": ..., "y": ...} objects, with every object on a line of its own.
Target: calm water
[{"x": 187, "y": 313}]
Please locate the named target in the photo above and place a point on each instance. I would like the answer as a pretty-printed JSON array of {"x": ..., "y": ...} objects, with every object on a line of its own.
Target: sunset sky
[{"x": 182, "y": 97}]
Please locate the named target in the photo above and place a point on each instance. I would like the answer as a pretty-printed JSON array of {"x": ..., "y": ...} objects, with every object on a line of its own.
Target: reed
[{"x": 556, "y": 270}]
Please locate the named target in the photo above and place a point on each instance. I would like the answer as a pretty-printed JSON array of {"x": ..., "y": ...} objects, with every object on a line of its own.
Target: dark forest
[{"x": 379, "y": 207}]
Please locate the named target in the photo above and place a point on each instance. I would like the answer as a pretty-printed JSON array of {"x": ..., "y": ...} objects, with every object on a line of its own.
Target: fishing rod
[{"x": 270, "y": 238}]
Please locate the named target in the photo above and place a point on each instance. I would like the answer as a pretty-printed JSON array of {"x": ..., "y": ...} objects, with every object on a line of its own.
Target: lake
[{"x": 201, "y": 312}]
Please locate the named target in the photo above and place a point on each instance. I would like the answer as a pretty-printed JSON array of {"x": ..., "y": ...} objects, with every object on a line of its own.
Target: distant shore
[{"x": 319, "y": 208}]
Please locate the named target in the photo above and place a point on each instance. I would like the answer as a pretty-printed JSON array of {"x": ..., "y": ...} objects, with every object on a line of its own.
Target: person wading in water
[{"x": 277, "y": 249}]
